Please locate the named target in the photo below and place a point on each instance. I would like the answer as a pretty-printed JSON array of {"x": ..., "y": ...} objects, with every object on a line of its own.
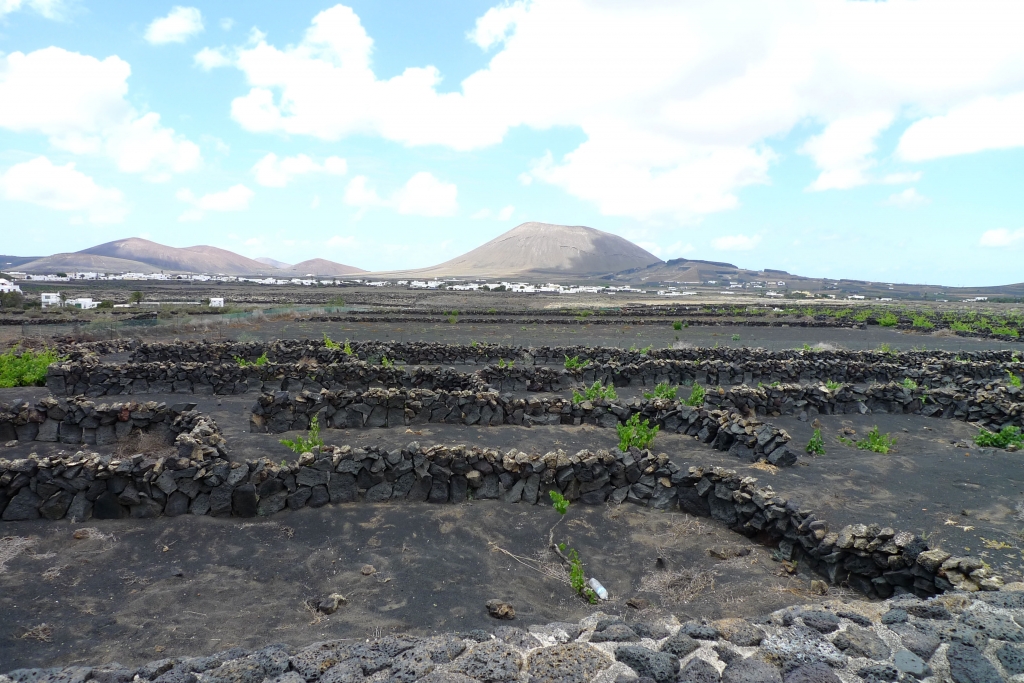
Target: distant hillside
[
  {"x": 322, "y": 267},
  {"x": 274, "y": 263},
  {"x": 85, "y": 263},
  {"x": 198, "y": 259},
  {"x": 545, "y": 249}
]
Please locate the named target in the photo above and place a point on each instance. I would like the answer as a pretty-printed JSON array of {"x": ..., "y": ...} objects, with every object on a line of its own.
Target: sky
[{"x": 829, "y": 138}]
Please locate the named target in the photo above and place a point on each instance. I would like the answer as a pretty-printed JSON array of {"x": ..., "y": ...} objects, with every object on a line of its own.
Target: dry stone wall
[
  {"x": 201, "y": 481},
  {"x": 80, "y": 421}
]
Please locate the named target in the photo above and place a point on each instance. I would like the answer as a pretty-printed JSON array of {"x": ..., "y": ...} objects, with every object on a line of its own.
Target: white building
[
  {"x": 216, "y": 302},
  {"x": 50, "y": 299},
  {"x": 82, "y": 302},
  {"x": 6, "y": 286}
]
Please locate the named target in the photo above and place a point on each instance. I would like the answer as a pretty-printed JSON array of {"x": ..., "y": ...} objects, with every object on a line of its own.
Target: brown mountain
[
  {"x": 546, "y": 249},
  {"x": 198, "y": 259},
  {"x": 321, "y": 267},
  {"x": 86, "y": 263}
]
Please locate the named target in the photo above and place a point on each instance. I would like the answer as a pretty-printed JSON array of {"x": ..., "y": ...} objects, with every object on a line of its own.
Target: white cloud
[
  {"x": 227, "y": 23},
  {"x": 735, "y": 242},
  {"x": 235, "y": 198},
  {"x": 51, "y": 9},
  {"x": 62, "y": 188},
  {"x": 985, "y": 123},
  {"x": 211, "y": 58},
  {"x": 675, "y": 250},
  {"x": 843, "y": 150},
  {"x": 79, "y": 103},
  {"x": 506, "y": 213},
  {"x": 907, "y": 199},
  {"x": 682, "y": 113},
  {"x": 272, "y": 171},
  {"x": 1001, "y": 237},
  {"x": 422, "y": 195},
  {"x": 178, "y": 26},
  {"x": 497, "y": 24}
]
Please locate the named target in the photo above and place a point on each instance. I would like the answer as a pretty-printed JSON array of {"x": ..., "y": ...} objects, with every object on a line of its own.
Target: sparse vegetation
[
  {"x": 328, "y": 343},
  {"x": 677, "y": 325},
  {"x": 502, "y": 363},
  {"x": 888, "y": 319},
  {"x": 27, "y": 369},
  {"x": 735, "y": 337},
  {"x": 816, "y": 446},
  {"x": 302, "y": 445},
  {"x": 575, "y": 363},
  {"x": 832, "y": 386},
  {"x": 594, "y": 392},
  {"x": 243, "y": 363},
  {"x": 923, "y": 323},
  {"x": 1013, "y": 380},
  {"x": 909, "y": 384},
  {"x": 1006, "y": 436},
  {"x": 347, "y": 349},
  {"x": 569, "y": 556},
  {"x": 877, "y": 442},
  {"x": 635, "y": 433},
  {"x": 696, "y": 398},
  {"x": 663, "y": 391},
  {"x": 387, "y": 362}
]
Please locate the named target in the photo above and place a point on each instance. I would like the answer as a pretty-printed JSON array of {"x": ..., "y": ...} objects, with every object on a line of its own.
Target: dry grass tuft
[
  {"x": 43, "y": 633},
  {"x": 765, "y": 466},
  {"x": 53, "y": 572},
  {"x": 11, "y": 547},
  {"x": 91, "y": 533},
  {"x": 149, "y": 443},
  {"x": 679, "y": 587}
]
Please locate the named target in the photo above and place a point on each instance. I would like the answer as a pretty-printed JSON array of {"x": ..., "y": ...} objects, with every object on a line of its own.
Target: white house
[
  {"x": 6, "y": 286},
  {"x": 82, "y": 302},
  {"x": 50, "y": 299},
  {"x": 217, "y": 302}
]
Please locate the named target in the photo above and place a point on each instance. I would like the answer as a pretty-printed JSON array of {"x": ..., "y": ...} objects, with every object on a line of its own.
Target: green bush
[
  {"x": 677, "y": 325},
  {"x": 1001, "y": 439},
  {"x": 27, "y": 369},
  {"x": 878, "y": 443},
  {"x": 594, "y": 392},
  {"x": 816, "y": 446},
  {"x": 958, "y": 326},
  {"x": 502, "y": 363},
  {"x": 386, "y": 362},
  {"x": 635, "y": 433},
  {"x": 575, "y": 363},
  {"x": 888, "y": 320},
  {"x": 347, "y": 349},
  {"x": 329, "y": 343},
  {"x": 909, "y": 384},
  {"x": 923, "y": 323},
  {"x": 301, "y": 445},
  {"x": 243, "y": 363},
  {"x": 1014, "y": 380},
  {"x": 696, "y": 398},
  {"x": 663, "y": 391},
  {"x": 832, "y": 386}
]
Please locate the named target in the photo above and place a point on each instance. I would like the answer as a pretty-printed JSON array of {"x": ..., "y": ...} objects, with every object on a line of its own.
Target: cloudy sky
[{"x": 875, "y": 140}]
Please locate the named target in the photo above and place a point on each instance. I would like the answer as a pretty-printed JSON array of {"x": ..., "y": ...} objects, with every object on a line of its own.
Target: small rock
[
  {"x": 750, "y": 670},
  {"x": 894, "y": 616},
  {"x": 500, "y": 610},
  {"x": 615, "y": 633},
  {"x": 660, "y": 666},
  {"x": 699, "y": 671},
  {"x": 638, "y": 603},
  {"x": 824, "y": 622},
  {"x": 367, "y": 570},
  {"x": 679, "y": 645},
  {"x": 11, "y": 444},
  {"x": 813, "y": 673},
  {"x": 860, "y": 642},
  {"x": 569, "y": 663},
  {"x": 968, "y": 665},
  {"x": 878, "y": 673},
  {"x": 330, "y": 604},
  {"x": 909, "y": 663}
]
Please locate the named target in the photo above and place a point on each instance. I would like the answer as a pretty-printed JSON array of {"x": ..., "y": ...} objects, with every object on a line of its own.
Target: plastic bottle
[{"x": 602, "y": 593}]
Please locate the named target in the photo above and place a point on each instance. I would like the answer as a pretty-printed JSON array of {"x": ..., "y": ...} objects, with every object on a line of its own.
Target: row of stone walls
[
  {"x": 745, "y": 437},
  {"x": 873, "y": 560},
  {"x": 78, "y": 420},
  {"x": 436, "y": 353}
]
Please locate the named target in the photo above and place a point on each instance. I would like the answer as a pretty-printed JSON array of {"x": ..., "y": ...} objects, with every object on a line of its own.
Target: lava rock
[
  {"x": 490, "y": 661},
  {"x": 860, "y": 642},
  {"x": 660, "y": 666},
  {"x": 679, "y": 645},
  {"x": 750, "y": 670},
  {"x": 569, "y": 663}
]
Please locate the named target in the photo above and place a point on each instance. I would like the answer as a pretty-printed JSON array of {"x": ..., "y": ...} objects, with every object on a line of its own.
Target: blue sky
[{"x": 872, "y": 140}]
